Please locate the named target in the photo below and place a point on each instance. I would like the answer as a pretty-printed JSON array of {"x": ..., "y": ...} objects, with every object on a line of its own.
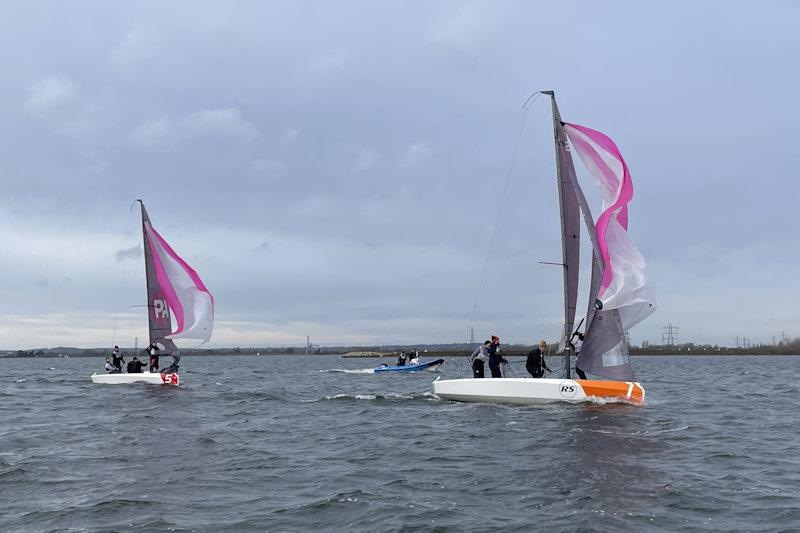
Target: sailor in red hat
[{"x": 495, "y": 359}]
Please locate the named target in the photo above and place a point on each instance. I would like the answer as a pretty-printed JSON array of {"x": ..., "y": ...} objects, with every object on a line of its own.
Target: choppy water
[{"x": 287, "y": 443}]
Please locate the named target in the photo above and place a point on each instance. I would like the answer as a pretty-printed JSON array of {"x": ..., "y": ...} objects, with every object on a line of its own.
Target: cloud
[
  {"x": 291, "y": 135},
  {"x": 134, "y": 252},
  {"x": 470, "y": 26},
  {"x": 327, "y": 63},
  {"x": 426, "y": 96},
  {"x": 153, "y": 131},
  {"x": 461, "y": 30},
  {"x": 136, "y": 47},
  {"x": 268, "y": 169},
  {"x": 226, "y": 122},
  {"x": 366, "y": 159},
  {"x": 416, "y": 153},
  {"x": 50, "y": 93},
  {"x": 314, "y": 207}
]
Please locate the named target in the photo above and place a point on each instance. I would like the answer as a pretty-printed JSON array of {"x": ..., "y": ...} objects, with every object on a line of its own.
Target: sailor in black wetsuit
[
  {"x": 173, "y": 368},
  {"x": 401, "y": 359},
  {"x": 578, "y": 371},
  {"x": 152, "y": 351},
  {"x": 116, "y": 359},
  {"x": 495, "y": 359},
  {"x": 535, "y": 363},
  {"x": 135, "y": 366}
]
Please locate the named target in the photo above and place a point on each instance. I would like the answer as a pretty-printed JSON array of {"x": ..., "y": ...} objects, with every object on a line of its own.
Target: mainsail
[
  {"x": 173, "y": 288},
  {"x": 620, "y": 297},
  {"x": 570, "y": 229}
]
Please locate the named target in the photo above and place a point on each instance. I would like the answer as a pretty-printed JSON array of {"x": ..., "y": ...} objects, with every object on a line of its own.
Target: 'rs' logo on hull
[{"x": 160, "y": 309}]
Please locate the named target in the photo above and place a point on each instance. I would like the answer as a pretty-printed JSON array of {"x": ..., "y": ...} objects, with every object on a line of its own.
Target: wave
[
  {"x": 373, "y": 397},
  {"x": 644, "y": 432},
  {"x": 353, "y": 397},
  {"x": 349, "y": 370}
]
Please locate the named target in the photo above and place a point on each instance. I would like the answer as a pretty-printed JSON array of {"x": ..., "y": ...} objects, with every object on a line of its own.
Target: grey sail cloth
[
  {"x": 158, "y": 312},
  {"x": 570, "y": 229},
  {"x": 604, "y": 351}
]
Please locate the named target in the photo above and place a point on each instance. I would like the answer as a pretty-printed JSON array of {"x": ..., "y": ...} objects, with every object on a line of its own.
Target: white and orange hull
[
  {"x": 145, "y": 377},
  {"x": 528, "y": 391}
]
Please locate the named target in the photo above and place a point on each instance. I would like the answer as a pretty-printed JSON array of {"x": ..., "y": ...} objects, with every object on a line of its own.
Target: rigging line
[
  {"x": 528, "y": 103},
  {"x": 122, "y": 280}
]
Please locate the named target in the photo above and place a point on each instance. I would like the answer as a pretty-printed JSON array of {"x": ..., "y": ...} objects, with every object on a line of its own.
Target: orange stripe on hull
[{"x": 628, "y": 391}]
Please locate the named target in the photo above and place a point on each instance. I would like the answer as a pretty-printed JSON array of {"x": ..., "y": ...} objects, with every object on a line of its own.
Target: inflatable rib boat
[{"x": 432, "y": 366}]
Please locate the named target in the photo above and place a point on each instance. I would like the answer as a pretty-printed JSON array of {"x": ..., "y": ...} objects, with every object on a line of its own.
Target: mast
[
  {"x": 570, "y": 229},
  {"x": 159, "y": 321}
]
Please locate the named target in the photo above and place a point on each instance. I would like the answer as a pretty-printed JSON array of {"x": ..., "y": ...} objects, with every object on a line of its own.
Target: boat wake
[
  {"x": 392, "y": 397},
  {"x": 349, "y": 370},
  {"x": 642, "y": 433}
]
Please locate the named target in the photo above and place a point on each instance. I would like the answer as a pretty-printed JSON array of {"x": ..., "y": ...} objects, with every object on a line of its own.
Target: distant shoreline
[{"x": 792, "y": 349}]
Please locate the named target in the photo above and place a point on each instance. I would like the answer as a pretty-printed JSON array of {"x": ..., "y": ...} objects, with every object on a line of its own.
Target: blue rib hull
[{"x": 431, "y": 366}]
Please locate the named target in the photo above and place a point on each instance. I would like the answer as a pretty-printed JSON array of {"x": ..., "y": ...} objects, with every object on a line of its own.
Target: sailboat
[
  {"x": 619, "y": 298},
  {"x": 174, "y": 290}
]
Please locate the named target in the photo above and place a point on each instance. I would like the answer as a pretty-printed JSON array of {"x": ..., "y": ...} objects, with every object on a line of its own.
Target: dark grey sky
[{"x": 335, "y": 168}]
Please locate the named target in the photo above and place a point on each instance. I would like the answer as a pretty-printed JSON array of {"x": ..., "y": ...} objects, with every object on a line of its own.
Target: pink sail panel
[
  {"x": 191, "y": 303},
  {"x": 624, "y": 282}
]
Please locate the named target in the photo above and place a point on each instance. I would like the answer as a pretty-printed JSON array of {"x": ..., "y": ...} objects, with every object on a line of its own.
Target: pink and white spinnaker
[
  {"x": 191, "y": 303},
  {"x": 624, "y": 284}
]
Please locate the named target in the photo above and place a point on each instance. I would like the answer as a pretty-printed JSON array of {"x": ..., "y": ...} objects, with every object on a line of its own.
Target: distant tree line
[{"x": 790, "y": 347}]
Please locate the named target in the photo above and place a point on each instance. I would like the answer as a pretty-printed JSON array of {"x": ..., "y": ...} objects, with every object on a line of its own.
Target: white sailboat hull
[
  {"x": 146, "y": 377},
  {"x": 524, "y": 391}
]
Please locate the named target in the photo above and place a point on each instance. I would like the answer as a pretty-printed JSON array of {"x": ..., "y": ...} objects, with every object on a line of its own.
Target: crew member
[
  {"x": 536, "y": 364},
  {"x": 152, "y": 351},
  {"x": 578, "y": 371},
  {"x": 173, "y": 368},
  {"x": 116, "y": 359},
  {"x": 495, "y": 359},
  {"x": 478, "y": 358},
  {"x": 414, "y": 359},
  {"x": 401, "y": 359},
  {"x": 110, "y": 369},
  {"x": 135, "y": 366}
]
